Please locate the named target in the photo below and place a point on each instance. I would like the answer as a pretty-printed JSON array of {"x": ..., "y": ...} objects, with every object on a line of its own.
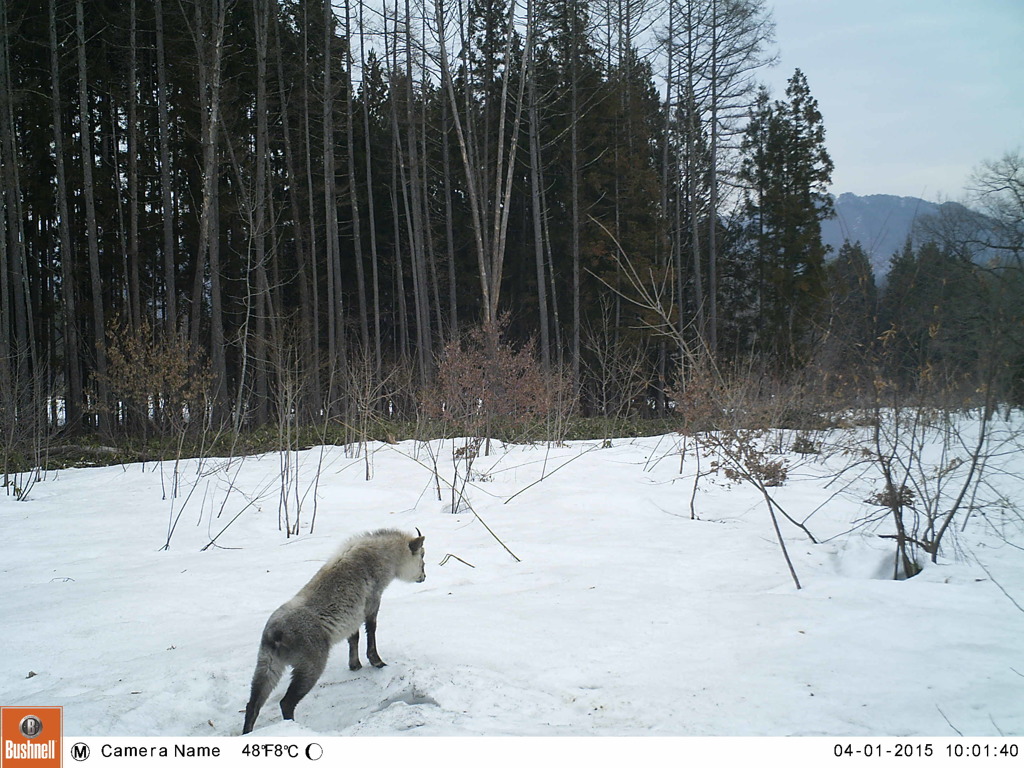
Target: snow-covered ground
[{"x": 621, "y": 616}]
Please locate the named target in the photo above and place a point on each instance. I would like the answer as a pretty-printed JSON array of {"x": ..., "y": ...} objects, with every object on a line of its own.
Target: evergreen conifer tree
[{"x": 787, "y": 170}]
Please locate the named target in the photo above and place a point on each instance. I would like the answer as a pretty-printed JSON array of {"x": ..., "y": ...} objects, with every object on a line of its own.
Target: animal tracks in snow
[
  {"x": 410, "y": 696},
  {"x": 471, "y": 699}
]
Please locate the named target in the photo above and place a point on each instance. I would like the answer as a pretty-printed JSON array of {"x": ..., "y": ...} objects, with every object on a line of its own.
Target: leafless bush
[
  {"x": 373, "y": 391},
  {"x": 749, "y": 460},
  {"x": 485, "y": 386},
  {"x": 157, "y": 383},
  {"x": 734, "y": 420},
  {"x": 616, "y": 361},
  {"x": 26, "y": 431},
  {"x": 931, "y": 464}
]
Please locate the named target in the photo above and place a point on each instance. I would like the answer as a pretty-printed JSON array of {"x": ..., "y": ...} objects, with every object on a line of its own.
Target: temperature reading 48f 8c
[{"x": 271, "y": 750}]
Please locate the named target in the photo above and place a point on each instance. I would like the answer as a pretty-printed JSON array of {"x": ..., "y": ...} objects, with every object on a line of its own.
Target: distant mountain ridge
[{"x": 881, "y": 223}]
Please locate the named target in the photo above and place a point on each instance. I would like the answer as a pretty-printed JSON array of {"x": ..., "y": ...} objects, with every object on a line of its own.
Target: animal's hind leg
[
  {"x": 268, "y": 672},
  {"x": 371, "y": 640},
  {"x": 353, "y": 651},
  {"x": 305, "y": 673}
]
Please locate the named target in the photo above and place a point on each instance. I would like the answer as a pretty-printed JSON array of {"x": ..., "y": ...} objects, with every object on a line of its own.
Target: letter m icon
[{"x": 80, "y": 751}]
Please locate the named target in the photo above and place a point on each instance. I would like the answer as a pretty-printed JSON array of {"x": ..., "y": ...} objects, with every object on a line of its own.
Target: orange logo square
[{"x": 30, "y": 737}]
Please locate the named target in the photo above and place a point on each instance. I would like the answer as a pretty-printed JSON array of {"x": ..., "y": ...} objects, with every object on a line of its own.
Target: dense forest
[{"x": 223, "y": 214}]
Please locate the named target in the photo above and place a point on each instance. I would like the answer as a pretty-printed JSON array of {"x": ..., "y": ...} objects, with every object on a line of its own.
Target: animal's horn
[{"x": 418, "y": 533}]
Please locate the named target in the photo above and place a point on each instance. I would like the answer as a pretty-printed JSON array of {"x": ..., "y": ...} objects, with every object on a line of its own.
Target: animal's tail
[{"x": 269, "y": 667}]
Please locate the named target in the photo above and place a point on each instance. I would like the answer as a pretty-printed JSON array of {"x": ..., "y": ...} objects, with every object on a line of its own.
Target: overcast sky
[{"x": 914, "y": 93}]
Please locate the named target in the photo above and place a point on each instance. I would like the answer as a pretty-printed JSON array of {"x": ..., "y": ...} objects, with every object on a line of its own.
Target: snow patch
[{"x": 594, "y": 604}]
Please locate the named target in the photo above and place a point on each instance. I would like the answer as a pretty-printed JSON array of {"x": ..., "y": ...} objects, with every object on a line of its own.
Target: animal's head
[{"x": 413, "y": 568}]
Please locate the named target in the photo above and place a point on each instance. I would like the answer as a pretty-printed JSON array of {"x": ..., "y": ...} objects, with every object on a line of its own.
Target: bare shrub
[
  {"x": 159, "y": 384},
  {"x": 731, "y": 420},
  {"x": 616, "y": 363},
  {"x": 486, "y": 387},
  {"x": 749, "y": 460},
  {"x": 700, "y": 397},
  {"x": 27, "y": 430},
  {"x": 375, "y": 392},
  {"x": 931, "y": 465}
]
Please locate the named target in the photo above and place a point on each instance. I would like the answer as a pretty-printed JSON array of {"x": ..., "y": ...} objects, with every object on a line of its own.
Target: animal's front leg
[
  {"x": 371, "y": 641},
  {"x": 353, "y": 651}
]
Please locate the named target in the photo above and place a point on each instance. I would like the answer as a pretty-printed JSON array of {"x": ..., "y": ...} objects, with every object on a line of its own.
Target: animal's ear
[{"x": 415, "y": 545}]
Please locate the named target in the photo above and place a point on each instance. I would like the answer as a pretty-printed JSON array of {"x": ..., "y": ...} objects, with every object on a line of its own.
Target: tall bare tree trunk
[
  {"x": 218, "y": 362},
  {"x": 449, "y": 226},
  {"x": 397, "y": 183},
  {"x": 8, "y": 190},
  {"x": 574, "y": 163},
  {"x": 712, "y": 330},
  {"x": 13, "y": 280},
  {"x": 400, "y": 289},
  {"x": 265, "y": 337},
  {"x": 669, "y": 180},
  {"x": 417, "y": 229},
  {"x": 506, "y": 166},
  {"x": 8, "y": 408},
  {"x": 311, "y": 206},
  {"x": 134, "y": 288},
  {"x": 163, "y": 120},
  {"x": 371, "y": 208},
  {"x": 353, "y": 187},
  {"x": 694, "y": 126},
  {"x": 310, "y": 399},
  {"x": 335, "y": 305},
  {"x": 536, "y": 189},
  {"x": 72, "y": 353},
  {"x": 96, "y": 279},
  {"x": 462, "y": 124},
  {"x": 208, "y": 44}
]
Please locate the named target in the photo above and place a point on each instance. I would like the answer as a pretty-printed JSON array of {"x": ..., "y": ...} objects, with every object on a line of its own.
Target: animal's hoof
[
  {"x": 378, "y": 664},
  {"x": 354, "y": 665}
]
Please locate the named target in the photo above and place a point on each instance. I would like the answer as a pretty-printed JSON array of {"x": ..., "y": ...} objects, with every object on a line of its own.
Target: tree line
[{"x": 234, "y": 212}]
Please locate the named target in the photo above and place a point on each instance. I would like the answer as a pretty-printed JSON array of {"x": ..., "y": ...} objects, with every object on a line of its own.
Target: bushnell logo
[{"x": 31, "y": 737}]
